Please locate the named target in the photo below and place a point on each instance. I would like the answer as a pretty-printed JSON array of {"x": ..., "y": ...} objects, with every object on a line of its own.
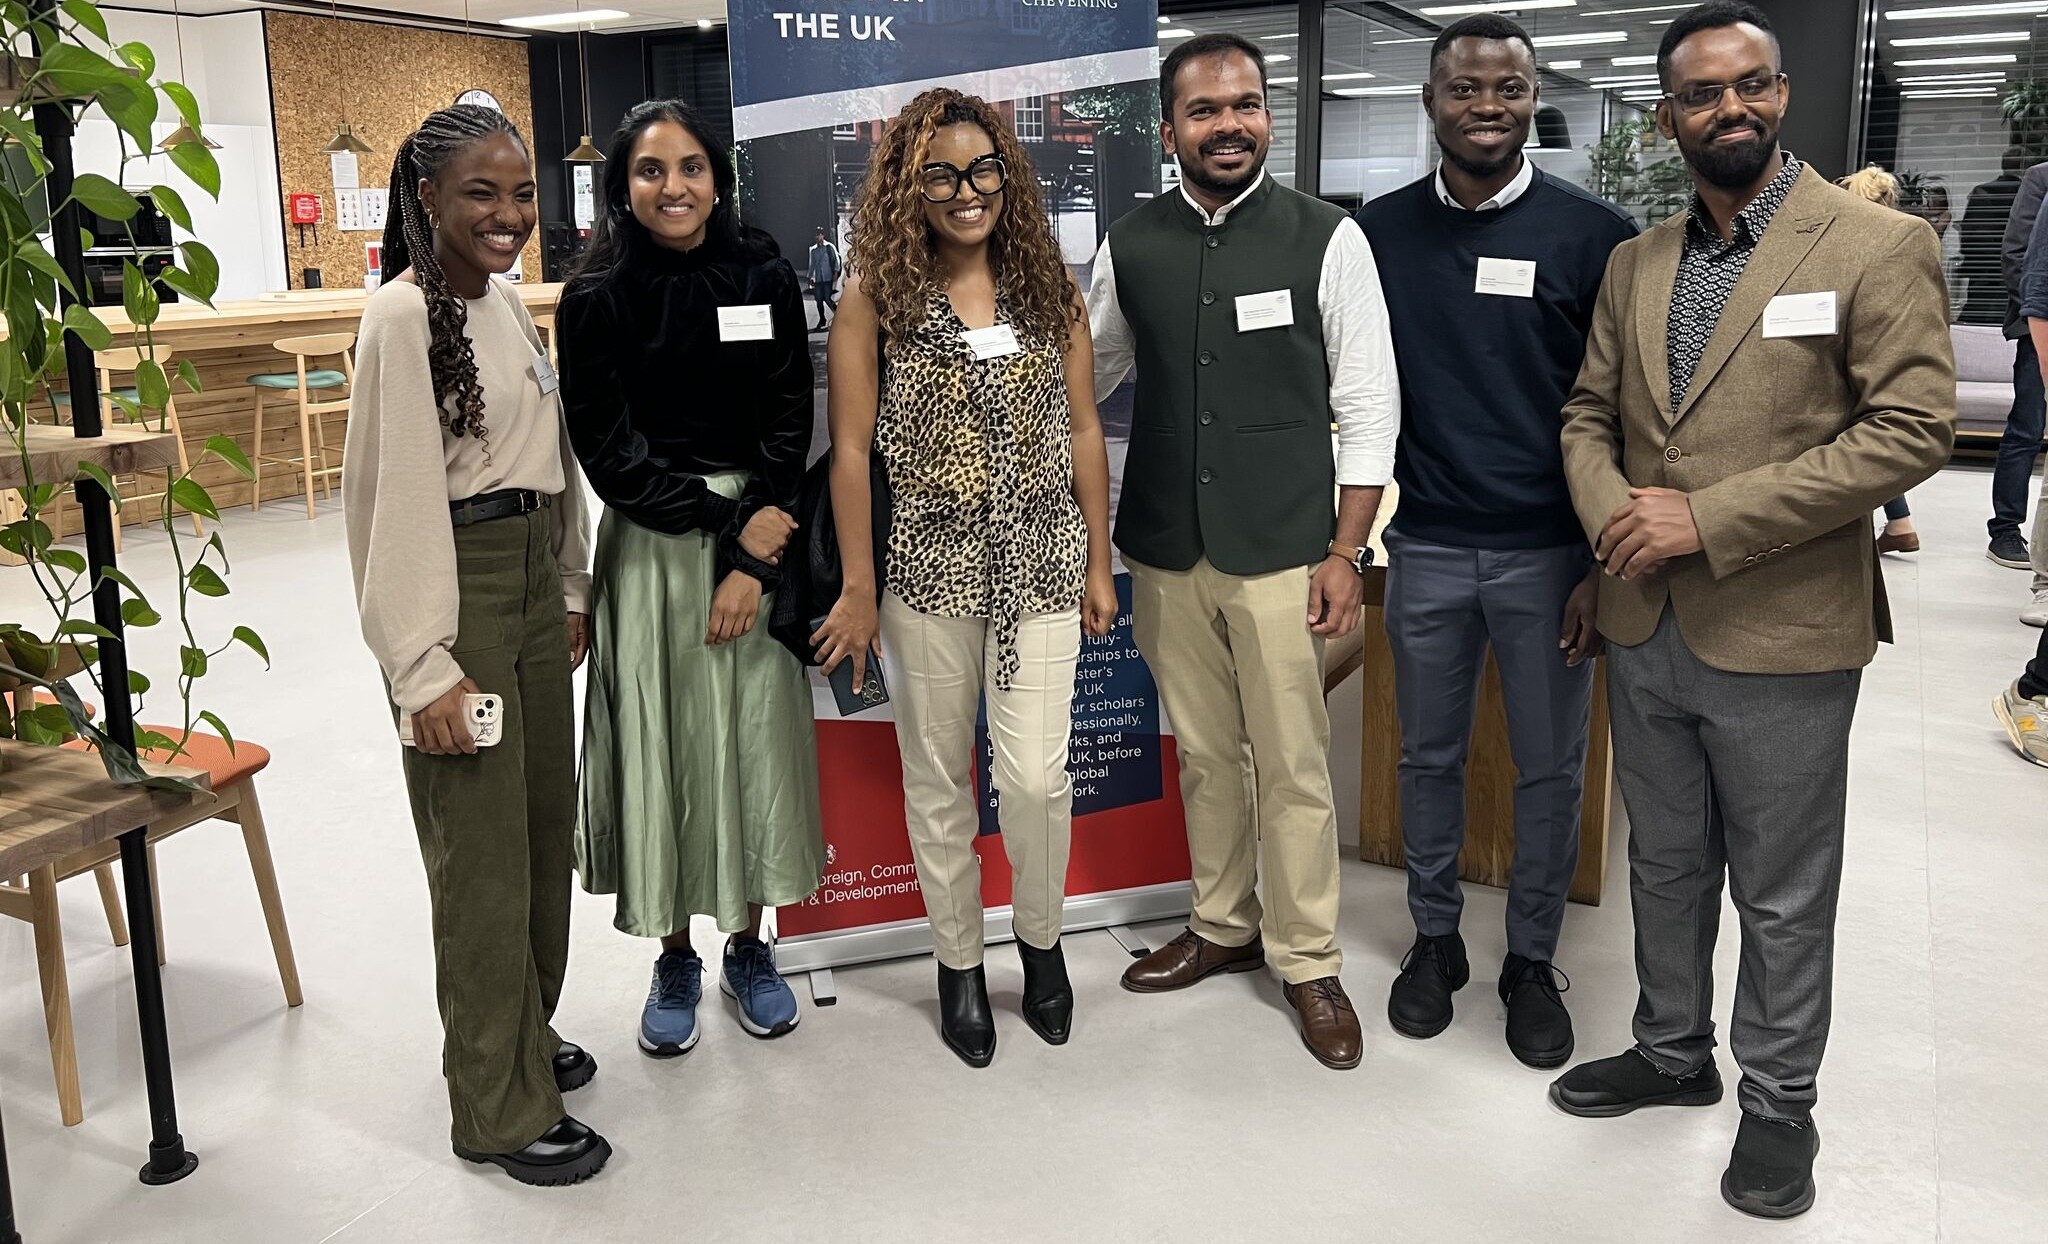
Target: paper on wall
[
  {"x": 348, "y": 210},
  {"x": 586, "y": 197},
  {"x": 344, "y": 163},
  {"x": 376, "y": 204}
]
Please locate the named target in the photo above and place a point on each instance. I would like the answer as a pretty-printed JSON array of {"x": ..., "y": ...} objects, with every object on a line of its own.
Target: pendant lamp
[
  {"x": 586, "y": 152},
  {"x": 344, "y": 137},
  {"x": 184, "y": 133}
]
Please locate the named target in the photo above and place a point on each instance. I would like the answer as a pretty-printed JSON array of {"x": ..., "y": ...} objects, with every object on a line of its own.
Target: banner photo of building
[{"x": 813, "y": 89}]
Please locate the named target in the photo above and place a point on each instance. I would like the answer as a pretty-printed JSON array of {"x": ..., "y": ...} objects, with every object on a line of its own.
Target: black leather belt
[{"x": 505, "y": 504}]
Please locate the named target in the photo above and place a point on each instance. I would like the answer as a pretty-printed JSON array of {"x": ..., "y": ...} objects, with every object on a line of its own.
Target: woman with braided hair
[
  {"x": 961, "y": 355},
  {"x": 468, "y": 536},
  {"x": 686, "y": 374}
]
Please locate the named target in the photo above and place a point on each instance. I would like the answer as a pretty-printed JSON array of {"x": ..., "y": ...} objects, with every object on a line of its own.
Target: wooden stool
[
  {"x": 112, "y": 412},
  {"x": 312, "y": 414},
  {"x": 34, "y": 899}
]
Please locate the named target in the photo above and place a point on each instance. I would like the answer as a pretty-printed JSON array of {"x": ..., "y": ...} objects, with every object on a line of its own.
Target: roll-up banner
[{"x": 814, "y": 84}]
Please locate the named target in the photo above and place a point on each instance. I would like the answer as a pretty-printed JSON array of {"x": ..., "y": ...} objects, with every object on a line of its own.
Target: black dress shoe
[
  {"x": 1770, "y": 1171},
  {"x": 1539, "y": 1028},
  {"x": 966, "y": 1024},
  {"x": 573, "y": 1067},
  {"x": 1615, "y": 1086},
  {"x": 567, "y": 1153},
  {"x": 1048, "y": 996},
  {"x": 1435, "y": 968}
]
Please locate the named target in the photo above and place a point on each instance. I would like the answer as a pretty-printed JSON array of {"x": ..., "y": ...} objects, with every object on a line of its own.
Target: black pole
[
  {"x": 8, "y": 1235},
  {"x": 1308, "y": 98},
  {"x": 169, "y": 1161}
]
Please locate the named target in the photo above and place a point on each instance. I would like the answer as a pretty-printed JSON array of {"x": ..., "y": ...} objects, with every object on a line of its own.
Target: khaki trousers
[
  {"x": 1241, "y": 676},
  {"x": 496, "y": 833},
  {"x": 938, "y": 670}
]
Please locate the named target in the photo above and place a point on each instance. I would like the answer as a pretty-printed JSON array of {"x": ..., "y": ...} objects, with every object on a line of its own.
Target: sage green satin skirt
[{"x": 700, "y": 773}]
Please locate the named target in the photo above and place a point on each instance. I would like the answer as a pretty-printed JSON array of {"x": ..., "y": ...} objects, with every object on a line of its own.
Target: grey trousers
[
  {"x": 1742, "y": 775},
  {"x": 1444, "y": 606}
]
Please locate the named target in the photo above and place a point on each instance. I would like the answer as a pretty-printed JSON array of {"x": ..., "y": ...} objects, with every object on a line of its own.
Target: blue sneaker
[
  {"x": 767, "y": 1008},
  {"x": 668, "y": 1027}
]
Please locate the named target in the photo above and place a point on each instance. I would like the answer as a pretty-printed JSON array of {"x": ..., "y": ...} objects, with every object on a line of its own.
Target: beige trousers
[
  {"x": 938, "y": 670},
  {"x": 1241, "y": 676}
]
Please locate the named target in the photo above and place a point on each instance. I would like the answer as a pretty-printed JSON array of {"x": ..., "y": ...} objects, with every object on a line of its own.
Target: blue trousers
[{"x": 2012, "y": 477}]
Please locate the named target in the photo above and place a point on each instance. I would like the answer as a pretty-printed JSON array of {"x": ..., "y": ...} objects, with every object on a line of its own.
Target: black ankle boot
[
  {"x": 965, "y": 1023},
  {"x": 1048, "y": 997}
]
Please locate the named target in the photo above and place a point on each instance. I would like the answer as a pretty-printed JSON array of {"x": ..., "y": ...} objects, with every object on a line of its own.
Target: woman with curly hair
[
  {"x": 468, "y": 538},
  {"x": 686, "y": 372},
  {"x": 961, "y": 355}
]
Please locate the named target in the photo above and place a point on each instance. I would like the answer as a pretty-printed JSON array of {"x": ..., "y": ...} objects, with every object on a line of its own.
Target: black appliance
[{"x": 144, "y": 240}]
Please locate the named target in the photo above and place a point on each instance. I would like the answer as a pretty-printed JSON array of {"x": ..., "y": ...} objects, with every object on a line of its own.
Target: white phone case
[{"x": 485, "y": 713}]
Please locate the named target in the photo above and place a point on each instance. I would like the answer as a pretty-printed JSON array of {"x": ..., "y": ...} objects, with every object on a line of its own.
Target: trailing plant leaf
[
  {"x": 75, "y": 72},
  {"x": 138, "y": 296},
  {"x": 138, "y": 613},
  {"x": 87, "y": 327},
  {"x": 221, "y": 728},
  {"x": 102, "y": 197},
  {"x": 25, "y": 136},
  {"x": 138, "y": 683},
  {"x": 182, "y": 282},
  {"x": 188, "y": 375},
  {"x": 151, "y": 386},
  {"x": 192, "y": 661},
  {"x": 205, "y": 582},
  {"x": 138, "y": 55},
  {"x": 172, "y": 204},
  {"x": 79, "y": 626},
  {"x": 203, "y": 267},
  {"x": 188, "y": 493},
  {"x": 131, "y": 104},
  {"x": 225, "y": 448},
  {"x": 196, "y": 162},
  {"x": 98, "y": 475},
  {"x": 65, "y": 559},
  {"x": 184, "y": 101},
  {"x": 88, "y": 15},
  {"x": 254, "y": 642}
]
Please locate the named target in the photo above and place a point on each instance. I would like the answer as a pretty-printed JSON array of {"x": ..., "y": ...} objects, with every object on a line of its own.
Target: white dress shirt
[
  {"x": 1365, "y": 393},
  {"x": 1515, "y": 189}
]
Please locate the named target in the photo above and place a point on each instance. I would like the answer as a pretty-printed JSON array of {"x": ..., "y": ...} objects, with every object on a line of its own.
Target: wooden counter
[{"x": 228, "y": 343}]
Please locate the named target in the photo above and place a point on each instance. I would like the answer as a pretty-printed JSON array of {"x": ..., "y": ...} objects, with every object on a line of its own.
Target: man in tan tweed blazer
[{"x": 1762, "y": 372}]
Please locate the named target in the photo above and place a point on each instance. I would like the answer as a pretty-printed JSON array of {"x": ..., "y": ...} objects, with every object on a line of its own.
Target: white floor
[{"x": 1190, "y": 1116}]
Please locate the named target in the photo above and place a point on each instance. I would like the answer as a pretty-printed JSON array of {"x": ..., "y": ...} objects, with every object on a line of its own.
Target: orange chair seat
[{"x": 209, "y": 752}]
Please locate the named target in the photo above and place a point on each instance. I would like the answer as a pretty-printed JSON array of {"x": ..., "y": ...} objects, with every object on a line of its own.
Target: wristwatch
[{"x": 1359, "y": 558}]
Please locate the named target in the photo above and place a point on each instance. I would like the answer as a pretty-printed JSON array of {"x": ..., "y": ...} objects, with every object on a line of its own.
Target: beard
[
  {"x": 1732, "y": 166},
  {"x": 1482, "y": 169},
  {"x": 1222, "y": 184}
]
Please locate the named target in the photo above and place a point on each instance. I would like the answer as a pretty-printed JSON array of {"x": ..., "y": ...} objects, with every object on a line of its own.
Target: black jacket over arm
[{"x": 655, "y": 401}]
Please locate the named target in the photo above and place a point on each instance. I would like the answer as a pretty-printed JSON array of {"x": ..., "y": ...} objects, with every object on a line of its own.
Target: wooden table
[
  {"x": 1489, "y": 852},
  {"x": 229, "y": 342},
  {"x": 53, "y": 803}
]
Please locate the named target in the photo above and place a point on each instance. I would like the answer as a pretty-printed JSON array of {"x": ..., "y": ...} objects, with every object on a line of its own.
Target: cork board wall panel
[{"x": 385, "y": 80}]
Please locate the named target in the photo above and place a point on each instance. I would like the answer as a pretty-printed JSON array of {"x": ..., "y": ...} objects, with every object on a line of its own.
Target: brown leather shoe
[
  {"x": 1329, "y": 1027},
  {"x": 1187, "y": 959},
  {"x": 1903, "y": 542}
]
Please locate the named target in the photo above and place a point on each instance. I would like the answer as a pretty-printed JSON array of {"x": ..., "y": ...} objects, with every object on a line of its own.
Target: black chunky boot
[
  {"x": 1048, "y": 996},
  {"x": 965, "y": 1022}
]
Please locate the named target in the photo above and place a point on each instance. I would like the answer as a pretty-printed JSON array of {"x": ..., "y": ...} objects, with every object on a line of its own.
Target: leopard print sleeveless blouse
[{"x": 981, "y": 468}]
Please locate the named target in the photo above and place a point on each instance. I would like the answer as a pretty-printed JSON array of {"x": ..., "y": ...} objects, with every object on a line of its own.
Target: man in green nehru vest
[{"x": 1254, "y": 318}]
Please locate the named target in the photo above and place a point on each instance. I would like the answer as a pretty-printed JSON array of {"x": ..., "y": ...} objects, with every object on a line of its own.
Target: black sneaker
[
  {"x": 1539, "y": 1028},
  {"x": 2009, "y": 548},
  {"x": 1615, "y": 1086},
  {"x": 1435, "y": 968},
  {"x": 1770, "y": 1171}
]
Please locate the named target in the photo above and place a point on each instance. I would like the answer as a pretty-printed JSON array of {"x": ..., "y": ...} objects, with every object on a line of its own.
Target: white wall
[{"x": 227, "y": 67}]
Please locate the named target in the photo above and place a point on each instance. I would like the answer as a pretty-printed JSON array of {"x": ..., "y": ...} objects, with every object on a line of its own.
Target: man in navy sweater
[{"x": 1490, "y": 270}]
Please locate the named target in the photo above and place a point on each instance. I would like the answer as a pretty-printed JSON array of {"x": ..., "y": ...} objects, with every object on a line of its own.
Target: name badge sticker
[
  {"x": 544, "y": 374},
  {"x": 745, "y": 324},
  {"x": 1508, "y": 278},
  {"x": 1800, "y": 315},
  {"x": 994, "y": 342},
  {"x": 1269, "y": 310}
]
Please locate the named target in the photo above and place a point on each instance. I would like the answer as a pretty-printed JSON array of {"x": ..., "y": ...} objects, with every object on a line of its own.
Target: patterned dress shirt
[{"x": 1708, "y": 270}]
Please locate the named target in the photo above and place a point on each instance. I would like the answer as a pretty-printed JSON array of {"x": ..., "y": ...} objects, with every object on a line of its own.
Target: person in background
[
  {"x": 822, "y": 265},
  {"x": 2012, "y": 475},
  {"x": 962, "y": 357},
  {"x": 1877, "y": 186},
  {"x": 1254, "y": 318},
  {"x": 1485, "y": 549},
  {"x": 687, "y": 384},
  {"x": 1930, "y": 202},
  {"x": 1983, "y": 228},
  {"x": 468, "y": 538},
  {"x": 2022, "y": 708},
  {"x": 1763, "y": 370}
]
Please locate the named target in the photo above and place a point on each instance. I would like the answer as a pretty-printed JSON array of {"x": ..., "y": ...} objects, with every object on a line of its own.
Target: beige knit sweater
[{"x": 402, "y": 469}]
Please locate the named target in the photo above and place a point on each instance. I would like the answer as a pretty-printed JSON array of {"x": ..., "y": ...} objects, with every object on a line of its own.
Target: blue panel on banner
[
  {"x": 1115, "y": 756},
  {"x": 783, "y": 50}
]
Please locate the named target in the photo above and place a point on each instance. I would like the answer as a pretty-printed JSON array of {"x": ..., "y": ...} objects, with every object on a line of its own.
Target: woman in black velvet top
[{"x": 686, "y": 382}]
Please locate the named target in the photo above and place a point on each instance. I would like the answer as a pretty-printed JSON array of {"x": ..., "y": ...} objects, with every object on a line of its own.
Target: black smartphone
[{"x": 873, "y": 693}]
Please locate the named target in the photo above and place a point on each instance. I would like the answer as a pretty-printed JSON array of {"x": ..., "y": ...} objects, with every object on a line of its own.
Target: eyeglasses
[
  {"x": 941, "y": 181},
  {"x": 1708, "y": 95}
]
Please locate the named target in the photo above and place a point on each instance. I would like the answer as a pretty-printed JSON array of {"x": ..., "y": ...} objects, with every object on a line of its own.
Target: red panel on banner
[{"x": 869, "y": 877}]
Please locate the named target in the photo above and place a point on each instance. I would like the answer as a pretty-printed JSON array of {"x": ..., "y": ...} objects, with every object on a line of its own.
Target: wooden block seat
[{"x": 232, "y": 773}]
